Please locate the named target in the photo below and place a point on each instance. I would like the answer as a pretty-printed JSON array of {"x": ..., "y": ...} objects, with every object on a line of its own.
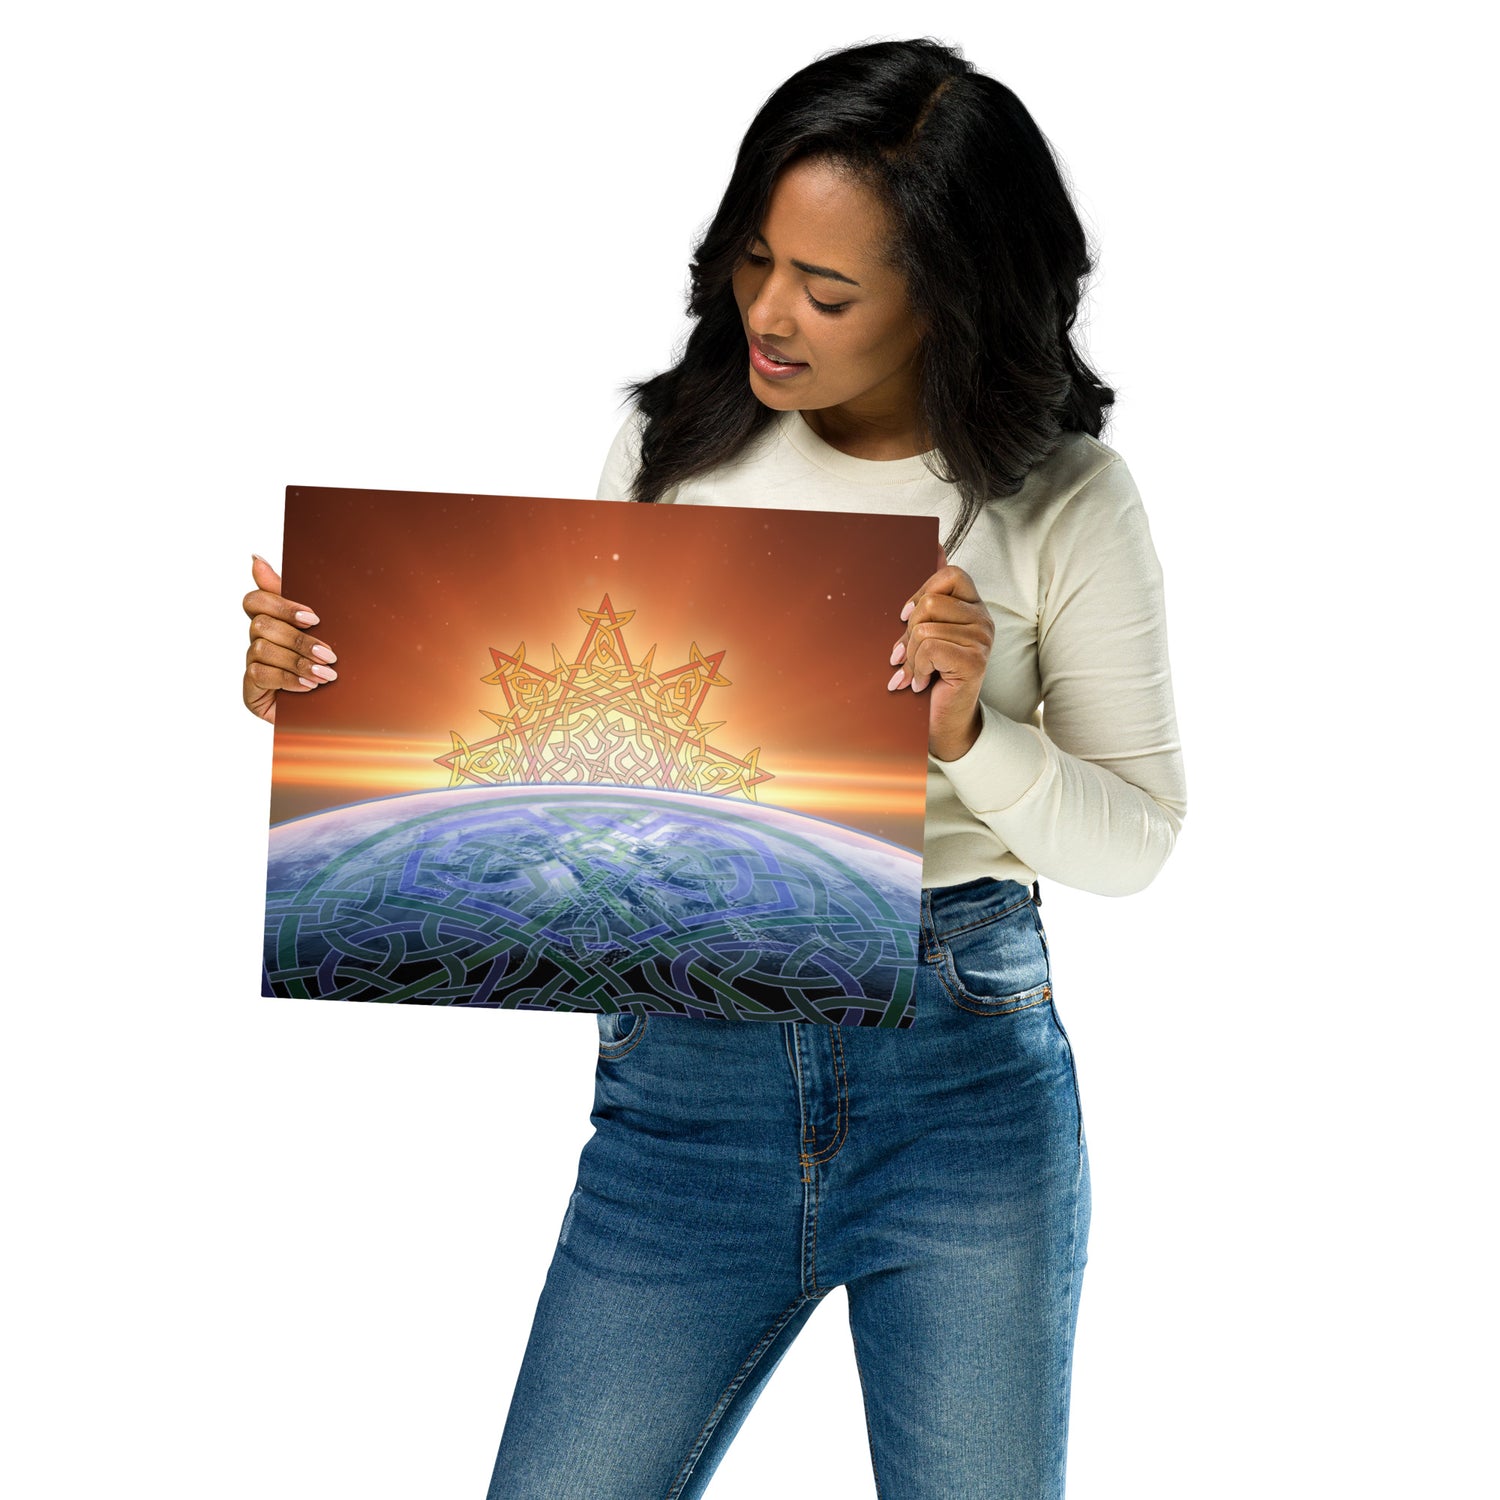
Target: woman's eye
[
  {"x": 751, "y": 258},
  {"x": 827, "y": 307}
]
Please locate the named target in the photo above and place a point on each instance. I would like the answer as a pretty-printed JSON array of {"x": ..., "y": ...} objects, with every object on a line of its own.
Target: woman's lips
[{"x": 772, "y": 369}]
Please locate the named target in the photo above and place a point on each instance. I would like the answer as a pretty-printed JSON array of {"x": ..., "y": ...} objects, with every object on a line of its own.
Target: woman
[{"x": 882, "y": 312}]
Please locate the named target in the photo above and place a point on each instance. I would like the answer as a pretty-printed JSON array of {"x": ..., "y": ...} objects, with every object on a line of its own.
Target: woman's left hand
[{"x": 947, "y": 643}]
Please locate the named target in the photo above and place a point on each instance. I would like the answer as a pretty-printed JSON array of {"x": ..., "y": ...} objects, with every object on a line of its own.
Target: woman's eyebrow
[{"x": 802, "y": 265}]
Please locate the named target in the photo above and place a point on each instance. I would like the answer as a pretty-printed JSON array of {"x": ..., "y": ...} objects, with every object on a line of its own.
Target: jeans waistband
[{"x": 951, "y": 908}]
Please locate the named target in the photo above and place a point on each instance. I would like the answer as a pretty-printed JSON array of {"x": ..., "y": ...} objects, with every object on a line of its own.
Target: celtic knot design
[
  {"x": 604, "y": 719},
  {"x": 593, "y": 899}
]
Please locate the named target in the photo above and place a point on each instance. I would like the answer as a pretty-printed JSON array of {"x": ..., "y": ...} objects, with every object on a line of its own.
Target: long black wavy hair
[{"x": 985, "y": 234}]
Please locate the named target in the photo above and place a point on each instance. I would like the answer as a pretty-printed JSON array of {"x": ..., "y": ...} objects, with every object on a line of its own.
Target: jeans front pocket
[
  {"x": 998, "y": 963},
  {"x": 620, "y": 1031}
]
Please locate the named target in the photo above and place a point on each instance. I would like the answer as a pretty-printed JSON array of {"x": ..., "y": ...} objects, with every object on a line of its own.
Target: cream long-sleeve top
[{"x": 1077, "y": 774}]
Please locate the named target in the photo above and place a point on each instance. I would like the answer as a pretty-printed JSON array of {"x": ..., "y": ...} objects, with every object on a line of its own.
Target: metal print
[{"x": 589, "y": 756}]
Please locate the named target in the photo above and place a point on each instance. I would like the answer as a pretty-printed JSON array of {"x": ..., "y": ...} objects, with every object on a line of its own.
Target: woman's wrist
[{"x": 957, "y": 744}]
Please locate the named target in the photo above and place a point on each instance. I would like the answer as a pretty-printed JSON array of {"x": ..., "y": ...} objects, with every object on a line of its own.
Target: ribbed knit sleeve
[{"x": 1096, "y": 795}]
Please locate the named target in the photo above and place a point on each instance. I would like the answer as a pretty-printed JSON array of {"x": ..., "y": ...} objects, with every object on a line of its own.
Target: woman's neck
[{"x": 867, "y": 436}]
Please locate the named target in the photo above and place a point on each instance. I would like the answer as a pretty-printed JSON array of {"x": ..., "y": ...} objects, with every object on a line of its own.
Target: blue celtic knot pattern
[{"x": 593, "y": 899}]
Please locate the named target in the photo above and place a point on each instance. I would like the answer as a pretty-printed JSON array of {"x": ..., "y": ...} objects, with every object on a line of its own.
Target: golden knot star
[{"x": 604, "y": 720}]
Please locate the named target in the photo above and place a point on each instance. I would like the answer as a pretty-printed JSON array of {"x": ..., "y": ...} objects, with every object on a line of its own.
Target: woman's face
[{"x": 820, "y": 243}]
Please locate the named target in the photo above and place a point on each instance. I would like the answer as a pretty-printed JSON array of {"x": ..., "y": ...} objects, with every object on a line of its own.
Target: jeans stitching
[
  {"x": 841, "y": 1128},
  {"x": 1073, "y": 1070},
  {"x": 722, "y": 1404},
  {"x": 929, "y": 935},
  {"x": 612, "y": 1050},
  {"x": 808, "y": 1161},
  {"x": 976, "y": 1005},
  {"x": 983, "y": 921},
  {"x": 811, "y": 1258}
]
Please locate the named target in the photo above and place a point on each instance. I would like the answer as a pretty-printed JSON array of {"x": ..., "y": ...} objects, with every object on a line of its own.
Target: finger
[
  {"x": 946, "y": 607},
  {"x": 947, "y": 580},
  {"x": 262, "y": 677},
  {"x": 281, "y": 634},
  {"x": 262, "y": 602},
  {"x": 266, "y": 577},
  {"x": 959, "y": 655},
  {"x": 260, "y": 702},
  {"x": 974, "y": 635},
  {"x": 943, "y": 615},
  {"x": 956, "y": 661},
  {"x": 305, "y": 668}
]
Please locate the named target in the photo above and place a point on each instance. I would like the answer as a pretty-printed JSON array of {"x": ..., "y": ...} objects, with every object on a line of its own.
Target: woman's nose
[{"x": 769, "y": 313}]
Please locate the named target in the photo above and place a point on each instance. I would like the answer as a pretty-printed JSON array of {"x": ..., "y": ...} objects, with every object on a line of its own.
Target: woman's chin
[{"x": 768, "y": 393}]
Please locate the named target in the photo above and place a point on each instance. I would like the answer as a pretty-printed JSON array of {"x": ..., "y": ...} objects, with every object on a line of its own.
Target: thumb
[
  {"x": 266, "y": 577},
  {"x": 942, "y": 556}
]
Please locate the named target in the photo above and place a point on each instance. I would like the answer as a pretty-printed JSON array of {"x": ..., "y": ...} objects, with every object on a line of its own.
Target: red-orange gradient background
[{"x": 412, "y": 589}]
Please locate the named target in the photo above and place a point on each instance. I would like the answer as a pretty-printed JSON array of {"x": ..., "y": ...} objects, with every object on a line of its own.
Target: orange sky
[{"x": 414, "y": 589}]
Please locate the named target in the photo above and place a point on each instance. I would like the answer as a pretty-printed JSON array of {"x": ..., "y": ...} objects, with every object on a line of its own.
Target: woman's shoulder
[
  {"x": 623, "y": 459},
  {"x": 1082, "y": 482},
  {"x": 1078, "y": 460},
  {"x": 1092, "y": 522},
  {"x": 1074, "y": 502}
]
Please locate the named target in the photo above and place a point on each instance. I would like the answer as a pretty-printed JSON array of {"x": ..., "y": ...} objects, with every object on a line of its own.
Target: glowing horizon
[
  {"x": 327, "y": 770},
  {"x": 429, "y": 600}
]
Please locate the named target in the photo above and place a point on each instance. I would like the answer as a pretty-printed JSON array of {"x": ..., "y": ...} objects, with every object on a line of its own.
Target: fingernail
[
  {"x": 911, "y": 604},
  {"x": 899, "y": 653},
  {"x": 326, "y": 673},
  {"x": 305, "y": 617},
  {"x": 895, "y": 681},
  {"x": 323, "y": 653},
  {"x": 307, "y": 682}
]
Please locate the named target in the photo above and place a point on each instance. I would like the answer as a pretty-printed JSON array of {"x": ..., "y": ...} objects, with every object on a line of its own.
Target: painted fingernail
[
  {"x": 323, "y": 653},
  {"x": 895, "y": 681},
  {"x": 899, "y": 653},
  {"x": 307, "y": 682},
  {"x": 911, "y": 604},
  {"x": 326, "y": 673},
  {"x": 305, "y": 617}
]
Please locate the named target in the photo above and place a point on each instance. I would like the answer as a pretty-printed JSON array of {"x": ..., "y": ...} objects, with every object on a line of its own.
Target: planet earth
[{"x": 593, "y": 898}]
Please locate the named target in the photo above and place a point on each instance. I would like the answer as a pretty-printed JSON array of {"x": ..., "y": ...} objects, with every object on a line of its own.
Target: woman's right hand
[{"x": 282, "y": 657}]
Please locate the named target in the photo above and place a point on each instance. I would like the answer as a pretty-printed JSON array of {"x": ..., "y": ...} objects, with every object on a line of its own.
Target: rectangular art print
[{"x": 593, "y": 756}]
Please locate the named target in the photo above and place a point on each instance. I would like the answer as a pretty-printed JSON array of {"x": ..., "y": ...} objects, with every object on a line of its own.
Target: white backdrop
[{"x": 276, "y": 1248}]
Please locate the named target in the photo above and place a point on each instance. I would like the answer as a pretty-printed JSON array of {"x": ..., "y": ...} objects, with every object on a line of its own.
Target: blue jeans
[{"x": 739, "y": 1171}]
